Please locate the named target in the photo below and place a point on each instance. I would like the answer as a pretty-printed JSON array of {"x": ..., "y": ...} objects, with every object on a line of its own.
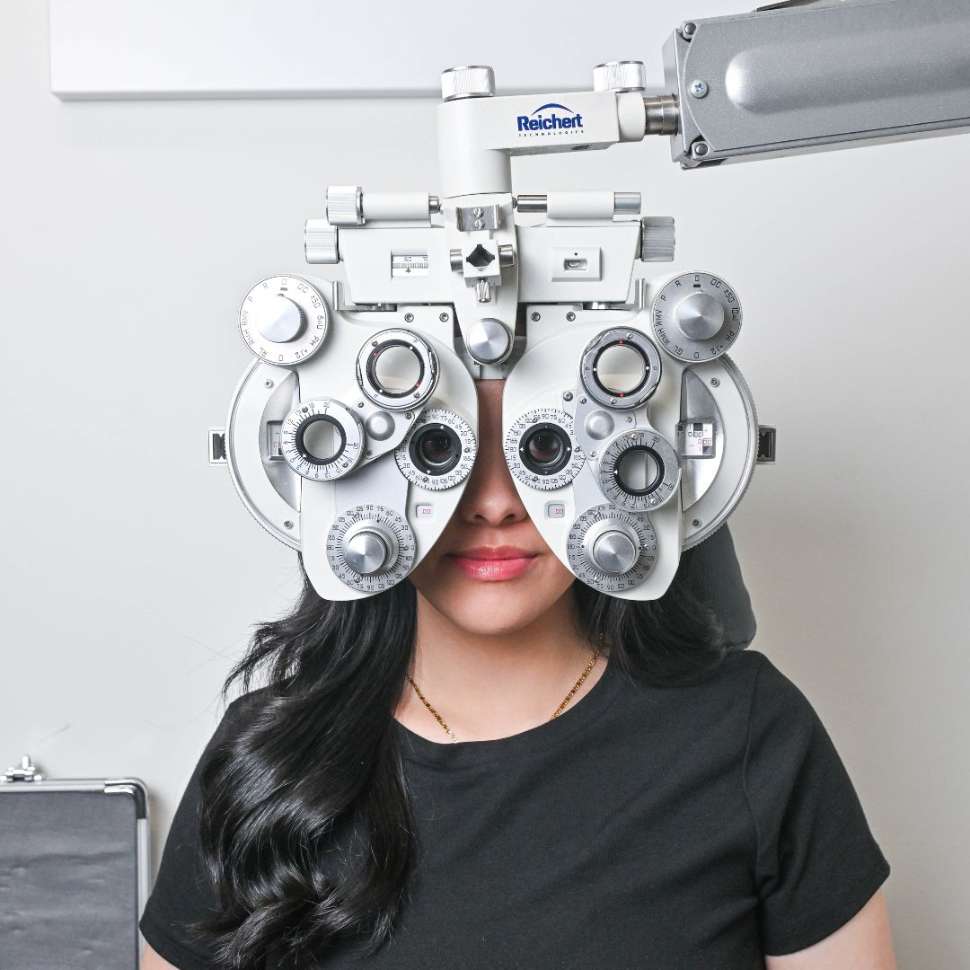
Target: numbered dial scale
[
  {"x": 610, "y": 549},
  {"x": 639, "y": 470},
  {"x": 541, "y": 451},
  {"x": 439, "y": 450},
  {"x": 322, "y": 440},
  {"x": 370, "y": 548},
  {"x": 284, "y": 320},
  {"x": 696, "y": 316}
]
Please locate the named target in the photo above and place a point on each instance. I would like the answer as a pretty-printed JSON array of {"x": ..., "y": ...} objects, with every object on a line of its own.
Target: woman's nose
[{"x": 490, "y": 495}]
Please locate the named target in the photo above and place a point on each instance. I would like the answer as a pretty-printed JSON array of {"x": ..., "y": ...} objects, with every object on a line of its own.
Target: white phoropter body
[{"x": 629, "y": 432}]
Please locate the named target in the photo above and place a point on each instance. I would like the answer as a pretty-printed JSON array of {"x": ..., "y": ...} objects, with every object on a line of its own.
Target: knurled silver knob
[
  {"x": 658, "y": 239},
  {"x": 472, "y": 81},
  {"x": 345, "y": 205},
  {"x": 320, "y": 242},
  {"x": 620, "y": 76}
]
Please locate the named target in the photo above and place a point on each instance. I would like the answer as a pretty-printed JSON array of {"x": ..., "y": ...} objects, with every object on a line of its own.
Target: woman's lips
[{"x": 493, "y": 570}]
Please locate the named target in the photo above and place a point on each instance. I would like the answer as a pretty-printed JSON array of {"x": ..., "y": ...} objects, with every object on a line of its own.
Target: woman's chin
[
  {"x": 486, "y": 621},
  {"x": 475, "y": 599}
]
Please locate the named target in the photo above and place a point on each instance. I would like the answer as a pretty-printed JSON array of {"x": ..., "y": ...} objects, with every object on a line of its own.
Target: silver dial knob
[
  {"x": 614, "y": 551},
  {"x": 371, "y": 547},
  {"x": 488, "y": 340},
  {"x": 696, "y": 316},
  {"x": 284, "y": 320},
  {"x": 699, "y": 316},
  {"x": 610, "y": 549},
  {"x": 280, "y": 320},
  {"x": 367, "y": 550}
]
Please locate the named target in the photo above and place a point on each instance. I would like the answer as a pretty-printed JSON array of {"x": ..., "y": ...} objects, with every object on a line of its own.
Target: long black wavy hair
[{"x": 306, "y": 827}]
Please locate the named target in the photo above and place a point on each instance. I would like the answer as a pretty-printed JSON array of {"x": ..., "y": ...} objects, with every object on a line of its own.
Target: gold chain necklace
[{"x": 589, "y": 666}]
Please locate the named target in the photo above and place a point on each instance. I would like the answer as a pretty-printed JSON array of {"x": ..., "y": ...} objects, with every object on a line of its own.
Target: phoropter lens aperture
[
  {"x": 435, "y": 449},
  {"x": 320, "y": 439},
  {"x": 545, "y": 449},
  {"x": 639, "y": 470}
]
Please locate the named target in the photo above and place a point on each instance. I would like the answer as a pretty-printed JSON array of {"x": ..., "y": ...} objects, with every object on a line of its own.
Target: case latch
[{"x": 25, "y": 771}]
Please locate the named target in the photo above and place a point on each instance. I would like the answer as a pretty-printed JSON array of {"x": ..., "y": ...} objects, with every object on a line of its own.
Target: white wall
[{"x": 132, "y": 573}]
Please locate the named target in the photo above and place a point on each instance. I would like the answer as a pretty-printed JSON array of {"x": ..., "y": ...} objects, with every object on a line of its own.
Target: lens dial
[
  {"x": 322, "y": 440},
  {"x": 283, "y": 320},
  {"x": 696, "y": 316},
  {"x": 397, "y": 369},
  {"x": 620, "y": 368},
  {"x": 439, "y": 450},
  {"x": 370, "y": 548},
  {"x": 610, "y": 549},
  {"x": 639, "y": 470},
  {"x": 541, "y": 451}
]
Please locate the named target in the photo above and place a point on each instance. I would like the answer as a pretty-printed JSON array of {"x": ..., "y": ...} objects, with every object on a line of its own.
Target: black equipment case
[{"x": 74, "y": 871}]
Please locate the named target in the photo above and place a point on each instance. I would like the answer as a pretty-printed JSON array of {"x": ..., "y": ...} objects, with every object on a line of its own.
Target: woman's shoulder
[
  {"x": 781, "y": 724},
  {"x": 754, "y": 668},
  {"x": 747, "y": 687},
  {"x": 736, "y": 668},
  {"x": 771, "y": 689}
]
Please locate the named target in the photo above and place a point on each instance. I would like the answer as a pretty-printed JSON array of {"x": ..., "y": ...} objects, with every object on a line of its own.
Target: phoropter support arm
[{"x": 791, "y": 79}]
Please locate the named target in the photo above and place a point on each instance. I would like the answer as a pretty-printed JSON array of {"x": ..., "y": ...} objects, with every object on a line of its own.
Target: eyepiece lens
[
  {"x": 545, "y": 449},
  {"x": 435, "y": 449}
]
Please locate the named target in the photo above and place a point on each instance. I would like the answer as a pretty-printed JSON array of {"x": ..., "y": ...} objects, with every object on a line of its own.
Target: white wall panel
[{"x": 292, "y": 48}]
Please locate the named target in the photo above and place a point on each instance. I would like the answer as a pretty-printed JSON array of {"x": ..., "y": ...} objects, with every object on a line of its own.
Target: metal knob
[
  {"x": 366, "y": 552},
  {"x": 280, "y": 320},
  {"x": 658, "y": 240},
  {"x": 699, "y": 316},
  {"x": 345, "y": 205},
  {"x": 320, "y": 242},
  {"x": 488, "y": 340},
  {"x": 620, "y": 76},
  {"x": 614, "y": 552},
  {"x": 472, "y": 81}
]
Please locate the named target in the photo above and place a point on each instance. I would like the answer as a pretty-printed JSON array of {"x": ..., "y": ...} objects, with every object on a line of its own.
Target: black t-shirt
[{"x": 698, "y": 827}]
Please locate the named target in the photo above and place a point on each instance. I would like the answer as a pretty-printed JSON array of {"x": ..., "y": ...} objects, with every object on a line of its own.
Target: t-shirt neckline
[{"x": 417, "y": 748}]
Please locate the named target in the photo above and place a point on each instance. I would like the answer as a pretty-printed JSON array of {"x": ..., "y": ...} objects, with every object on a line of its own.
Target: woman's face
[{"x": 490, "y": 570}]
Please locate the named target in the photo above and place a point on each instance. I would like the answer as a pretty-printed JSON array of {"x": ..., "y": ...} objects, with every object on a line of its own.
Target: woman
[{"x": 491, "y": 765}]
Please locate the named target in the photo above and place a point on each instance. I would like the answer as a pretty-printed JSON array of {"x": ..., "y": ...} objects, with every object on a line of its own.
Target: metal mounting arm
[{"x": 794, "y": 78}]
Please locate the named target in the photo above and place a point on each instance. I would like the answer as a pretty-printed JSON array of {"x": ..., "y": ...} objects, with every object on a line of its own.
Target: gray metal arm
[{"x": 799, "y": 77}]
